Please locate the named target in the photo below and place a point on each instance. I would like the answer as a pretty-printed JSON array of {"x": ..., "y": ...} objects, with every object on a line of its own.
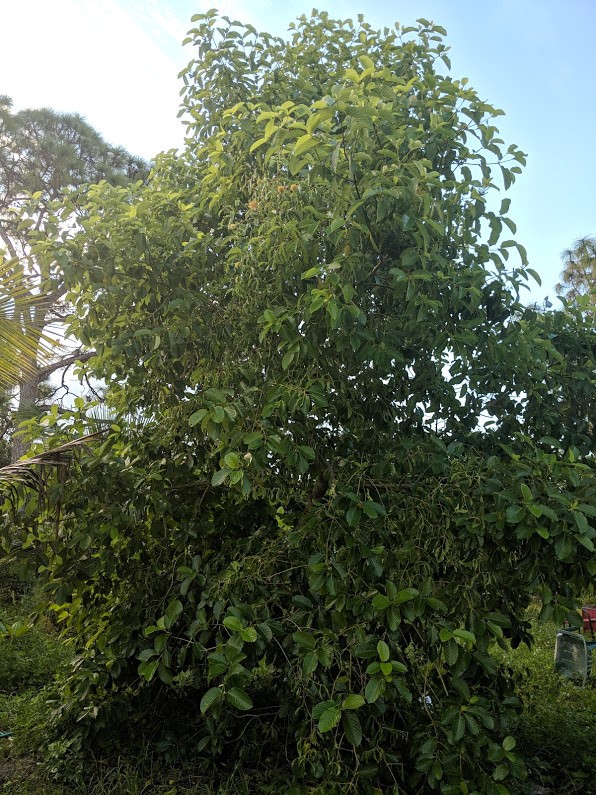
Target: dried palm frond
[{"x": 32, "y": 472}]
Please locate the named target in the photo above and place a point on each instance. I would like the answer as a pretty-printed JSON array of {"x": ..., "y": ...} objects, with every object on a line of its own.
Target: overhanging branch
[{"x": 64, "y": 362}]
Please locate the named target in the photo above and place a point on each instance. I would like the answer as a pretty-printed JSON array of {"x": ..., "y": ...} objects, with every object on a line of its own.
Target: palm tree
[
  {"x": 19, "y": 342},
  {"x": 579, "y": 273}
]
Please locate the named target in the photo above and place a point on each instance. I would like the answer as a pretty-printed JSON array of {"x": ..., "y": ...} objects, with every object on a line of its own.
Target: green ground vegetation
[{"x": 556, "y": 733}]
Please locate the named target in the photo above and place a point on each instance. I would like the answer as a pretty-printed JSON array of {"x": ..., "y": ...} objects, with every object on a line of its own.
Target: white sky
[{"x": 116, "y": 62}]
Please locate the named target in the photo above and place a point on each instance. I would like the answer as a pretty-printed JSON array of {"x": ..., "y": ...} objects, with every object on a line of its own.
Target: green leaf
[
  {"x": 581, "y": 522},
  {"x": 586, "y": 542},
  {"x": 233, "y": 624},
  {"x": 509, "y": 743},
  {"x": 257, "y": 144},
  {"x": 403, "y": 690},
  {"x": 501, "y": 772},
  {"x": 352, "y": 728},
  {"x": 217, "y": 664},
  {"x": 212, "y": 696},
  {"x": 319, "y": 708},
  {"x": 353, "y": 701},
  {"x": 310, "y": 663},
  {"x": 329, "y": 719},
  {"x": 239, "y": 698},
  {"x": 148, "y": 669},
  {"x": 380, "y": 602},
  {"x": 195, "y": 418},
  {"x": 253, "y": 440},
  {"x": 303, "y": 144},
  {"x": 304, "y": 639},
  {"x": 173, "y": 611},
  {"x": 147, "y": 654},
  {"x": 165, "y": 674},
  {"x": 405, "y": 595},
  {"x": 374, "y": 689},
  {"x": 307, "y": 452},
  {"x": 383, "y": 651},
  {"x": 463, "y": 634},
  {"x": 220, "y": 476},
  {"x": 232, "y": 461},
  {"x": 563, "y": 547},
  {"x": 249, "y": 634},
  {"x": 515, "y": 513},
  {"x": 460, "y": 728},
  {"x": 265, "y": 631},
  {"x": 366, "y": 62},
  {"x": 288, "y": 359}
]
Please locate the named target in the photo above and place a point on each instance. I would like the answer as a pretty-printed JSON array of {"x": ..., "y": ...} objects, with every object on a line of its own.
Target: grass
[{"x": 556, "y": 734}]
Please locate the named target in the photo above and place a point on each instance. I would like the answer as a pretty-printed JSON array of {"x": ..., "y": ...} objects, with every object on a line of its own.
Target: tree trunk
[{"x": 28, "y": 393}]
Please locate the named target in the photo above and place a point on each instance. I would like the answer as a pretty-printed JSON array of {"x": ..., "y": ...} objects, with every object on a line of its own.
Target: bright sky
[{"x": 116, "y": 62}]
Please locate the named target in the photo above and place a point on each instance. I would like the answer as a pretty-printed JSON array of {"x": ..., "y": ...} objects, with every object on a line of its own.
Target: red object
[{"x": 589, "y": 619}]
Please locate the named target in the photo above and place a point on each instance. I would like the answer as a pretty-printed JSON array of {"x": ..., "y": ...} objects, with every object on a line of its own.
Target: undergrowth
[{"x": 556, "y": 734}]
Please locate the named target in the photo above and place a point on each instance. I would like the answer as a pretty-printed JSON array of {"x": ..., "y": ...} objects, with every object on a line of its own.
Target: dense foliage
[{"x": 348, "y": 455}]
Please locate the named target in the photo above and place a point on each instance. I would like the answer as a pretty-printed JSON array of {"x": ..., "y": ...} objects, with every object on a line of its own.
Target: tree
[
  {"x": 579, "y": 273},
  {"x": 42, "y": 155},
  {"x": 359, "y": 456}
]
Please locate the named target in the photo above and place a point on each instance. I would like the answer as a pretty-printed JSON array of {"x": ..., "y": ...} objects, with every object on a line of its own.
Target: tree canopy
[
  {"x": 43, "y": 154},
  {"x": 349, "y": 456}
]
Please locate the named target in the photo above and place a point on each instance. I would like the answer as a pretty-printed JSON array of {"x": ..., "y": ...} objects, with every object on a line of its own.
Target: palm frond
[
  {"x": 32, "y": 472},
  {"x": 21, "y": 344}
]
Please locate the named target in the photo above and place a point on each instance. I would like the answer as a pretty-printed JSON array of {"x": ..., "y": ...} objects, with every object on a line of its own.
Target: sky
[{"x": 116, "y": 63}]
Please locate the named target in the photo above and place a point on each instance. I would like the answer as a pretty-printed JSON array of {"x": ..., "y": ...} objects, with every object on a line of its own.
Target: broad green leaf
[
  {"x": 515, "y": 513},
  {"x": 383, "y": 651},
  {"x": 509, "y": 743},
  {"x": 212, "y": 695},
  {"x": 563, "y": 547},
  {"x": 197, "y": 417},
  {"x": 374, "y": 689},
  {"x": 173, "y": 611},
  {"x": 239, "y": 698},
  {"x": 303, "y": 144},
  {"x": 329, "y": 719},
  {"x": 233, "y": 624},
  {"x": 304, "y": 639},
  {"x": 353, "y": 701},
  {"x": 220, "y": 476},
  {"x": 352, "y": 728},
  {"x": 147, "y": 669}
]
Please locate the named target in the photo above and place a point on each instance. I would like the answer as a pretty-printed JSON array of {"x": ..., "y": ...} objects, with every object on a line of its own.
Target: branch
[{"x": 66, "y": 361}]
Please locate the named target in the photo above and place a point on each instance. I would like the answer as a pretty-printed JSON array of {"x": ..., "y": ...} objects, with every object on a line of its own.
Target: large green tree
[
  {"x": 356, "y": 456},
  {"x": 43, "y": 154}
]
